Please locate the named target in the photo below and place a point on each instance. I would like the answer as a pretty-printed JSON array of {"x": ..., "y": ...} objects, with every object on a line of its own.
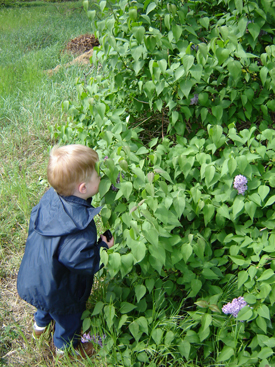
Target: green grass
[{"x": 33, "y": 39}]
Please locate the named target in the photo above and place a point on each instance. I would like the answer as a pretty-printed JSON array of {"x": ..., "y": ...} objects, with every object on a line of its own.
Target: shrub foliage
[{"x": 187, "y": 242}]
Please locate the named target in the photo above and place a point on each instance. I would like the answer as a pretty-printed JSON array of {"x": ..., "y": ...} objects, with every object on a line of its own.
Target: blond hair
[{"x": 70, "y": 165}]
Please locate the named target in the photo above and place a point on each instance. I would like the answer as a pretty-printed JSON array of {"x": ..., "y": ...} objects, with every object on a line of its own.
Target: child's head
[{"x": 70, "y": 166}]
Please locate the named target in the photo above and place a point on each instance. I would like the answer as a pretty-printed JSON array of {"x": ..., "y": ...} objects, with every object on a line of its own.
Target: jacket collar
[{"x": 77, "y": 200}]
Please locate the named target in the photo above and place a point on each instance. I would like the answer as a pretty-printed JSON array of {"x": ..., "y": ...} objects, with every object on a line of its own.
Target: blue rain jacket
[{"x": 61, "y": 255}]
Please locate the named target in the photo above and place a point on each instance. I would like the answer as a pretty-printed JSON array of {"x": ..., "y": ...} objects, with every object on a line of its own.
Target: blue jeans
[{"x": 67, "y": 327}]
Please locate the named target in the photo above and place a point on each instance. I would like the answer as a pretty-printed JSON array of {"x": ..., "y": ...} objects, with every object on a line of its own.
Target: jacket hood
[{"x": 57, "y": 215}]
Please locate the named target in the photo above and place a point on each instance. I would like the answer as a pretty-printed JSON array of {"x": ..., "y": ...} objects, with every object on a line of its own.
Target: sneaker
[
  {"x": 38, "y": 330},
  {"x": 80, "y": 351},
  {"x": 84, "y": 350}
]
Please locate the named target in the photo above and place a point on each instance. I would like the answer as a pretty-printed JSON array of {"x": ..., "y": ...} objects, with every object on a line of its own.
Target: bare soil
[
  {"x": 81, "y": 47},
  {"x": 82, "y": 44}
]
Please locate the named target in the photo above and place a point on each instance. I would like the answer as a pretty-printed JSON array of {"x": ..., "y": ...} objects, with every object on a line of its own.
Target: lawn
[{"x": 33, "y": 39}]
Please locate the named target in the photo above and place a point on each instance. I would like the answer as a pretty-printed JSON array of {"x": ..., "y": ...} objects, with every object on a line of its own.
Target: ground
[{"x": 17, "y": 315}]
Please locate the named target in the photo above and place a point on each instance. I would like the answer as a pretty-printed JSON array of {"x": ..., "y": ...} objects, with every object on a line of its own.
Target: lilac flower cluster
[
  {"x": 194, "y": 100},
  {"x": 86, "y": 338},
  {"x": 240, "y": 184},
  {"x": 117, "y": 181},
  {"x": 234, "y": 307}
]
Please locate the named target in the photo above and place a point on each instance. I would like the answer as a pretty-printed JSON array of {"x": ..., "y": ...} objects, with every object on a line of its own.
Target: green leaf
[
  {"x": 179, "y": 72},
  {"x": 114, "y": 262},
  {"x": 177, "y": 31},
  {"x": 134, "y": 329},
  {"x": 244, "y": 314},
  {"x": 157, "y": 335},
  {"x": 266, "y": 274},
  {"x": 187, "y": 62},
  {"x": 261, "y": 323},
  {"x": 151, "y": 236},
  {"x": 167, "y": 21},
  {"x": 270, "y": 201},
  {"x": 238, "y": 259},
  {"x": 222, "y": 55},
  {"x": 196, "y": 72},
  {"x": 133, "y": 13},
  {"x": 186, "y": 86},
  {"x": 162, "y": 65},
  {"x": 263, "y": 191},
  {"x": 122, "y": 321},
  {"x": 209, "y": 174},
  {"x": 98, "y": 308},
  {"x": 163, "y": 174},
  {"x": 127, "y": 307},
  {"x": 139, "y": 251},
  {"x": 225, "y": 354},
  {"x": 149, "y": 88},
  {"x": 204, "y": 22},
  {"x": 196, "y": 285},
  {"x": 224, "y": 211},
  {"x": 208, "y": 212},
  {"x": 232, "y": 165},
  {"x": 206, "y": 321},
  {"x": 209, "y": 274},
  {"x": 179, "y": 205},
  {"x": 169, "y": 338},
  {"x": 139, "y": 33},
  {"x": 239, "y": 6},
  {"x": 150, "y": 42},
  {"x": 186, "y": 251},
  {"x": 150, "y": 7},
  {"x": 242, "y": 278},
  {"x": 238, "y": 206},
  {"x": 87, "y": 322},
  {"x": 263, "y": 74},
  {"x": 104, "y": 186},
  {"x": 102, "y": 5},
  {"x": 140, "y": 291},
  {"x": 101, "y": 108},
  {"x": 126, "y": 189},
  {"x": 184, "y": 348},
  {"x": 235, "y": 68},
  {"x": 216, "y": 135},
  {"x": 150, "y": 284},
  {"x": 85, "y": 5},
  {"x": 143, "y": 324},
  {"x": 263, "y": 311},
  {"x": 254, "y": 29},
  {"x": 109, "y": 312},
  {"x": 265, "y": 353},
  {"x": 217, "y": 112},
  {"x": 127, "y": 262}
]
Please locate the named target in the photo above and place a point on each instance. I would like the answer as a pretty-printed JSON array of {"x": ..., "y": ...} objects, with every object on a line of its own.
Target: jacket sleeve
[{"x": 81, "y": 254}]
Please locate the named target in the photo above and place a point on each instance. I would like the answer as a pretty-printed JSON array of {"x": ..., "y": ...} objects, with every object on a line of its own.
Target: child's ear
[{"x": 82, "y": 188}]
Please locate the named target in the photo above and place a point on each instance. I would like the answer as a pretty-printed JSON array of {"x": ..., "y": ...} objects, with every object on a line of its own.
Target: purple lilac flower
[
  {"x": 117, "y": 181},
  {"x": 106, "y": 157},
  {"x": 234, "y": 307},
  {"x": 86, "y": 338},
  {"x": 194, "y": 100},
  {"x": 240, "y": 184}
]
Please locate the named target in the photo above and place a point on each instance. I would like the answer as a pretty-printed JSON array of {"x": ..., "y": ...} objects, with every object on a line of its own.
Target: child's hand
[{"x": 110, "y": 243}]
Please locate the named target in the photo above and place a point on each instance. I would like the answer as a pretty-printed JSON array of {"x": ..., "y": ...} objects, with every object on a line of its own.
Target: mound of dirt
[{"x": 82, "y": 44}]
